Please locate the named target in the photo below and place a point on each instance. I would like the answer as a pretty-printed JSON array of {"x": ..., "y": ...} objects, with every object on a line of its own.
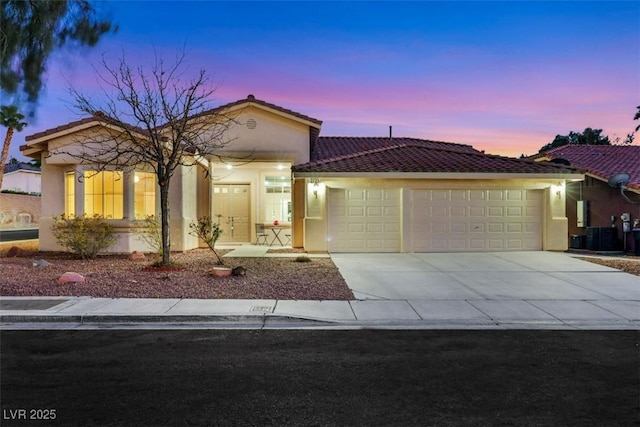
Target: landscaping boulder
[
  {"x": 70, "y": 277},
  {"x": 41, "y": 263},
  {"x": 15, "y": 251},
  {"x": 136, "y": 256}
]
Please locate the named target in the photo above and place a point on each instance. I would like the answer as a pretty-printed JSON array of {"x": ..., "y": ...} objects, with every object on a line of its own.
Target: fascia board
[{"x": 445, "y": 175}]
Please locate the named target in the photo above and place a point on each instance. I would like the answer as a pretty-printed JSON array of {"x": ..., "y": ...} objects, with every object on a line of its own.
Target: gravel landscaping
[{"x": 117, "y": 276}]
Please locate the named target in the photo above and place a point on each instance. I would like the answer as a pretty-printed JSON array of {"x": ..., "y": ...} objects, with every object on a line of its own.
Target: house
[
  {"x": 21, "y": 177},
  {"x": 593, "y": 207},
  {"x": 338, "y": 194},
  {"x": 20, "y": 199}
]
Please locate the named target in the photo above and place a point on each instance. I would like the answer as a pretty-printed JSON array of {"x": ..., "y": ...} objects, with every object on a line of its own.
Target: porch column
[
  {"x": 129, "y": 190},
  {"x": 79, "y": 192}
]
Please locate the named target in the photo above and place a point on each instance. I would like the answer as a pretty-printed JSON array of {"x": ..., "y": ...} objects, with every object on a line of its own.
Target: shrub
[
  {"x": 83, "y": 235},
  {"x": 303, "y": 258},
  {"x": 209, "y": 231},
  {"x": 151, "y": 233}
]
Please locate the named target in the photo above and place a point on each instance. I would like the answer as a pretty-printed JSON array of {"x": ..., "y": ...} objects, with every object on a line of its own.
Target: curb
[{"x": 126, "y": 318}]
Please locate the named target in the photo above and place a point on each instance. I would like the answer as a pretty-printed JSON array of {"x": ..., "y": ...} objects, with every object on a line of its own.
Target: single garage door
[
  {"x": 364, "y": 220},
  {"x": 452, "y": 220}
]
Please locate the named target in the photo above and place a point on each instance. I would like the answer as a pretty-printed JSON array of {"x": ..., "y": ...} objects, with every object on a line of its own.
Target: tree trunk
[
  {"x": 5, "y": 153},
  {"x": 164, "y": 213}
]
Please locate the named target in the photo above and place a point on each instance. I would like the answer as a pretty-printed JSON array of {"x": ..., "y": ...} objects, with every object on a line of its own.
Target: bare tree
[{"x": 156, "y": 119}]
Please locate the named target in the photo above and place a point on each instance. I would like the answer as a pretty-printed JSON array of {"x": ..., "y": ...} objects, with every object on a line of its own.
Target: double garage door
[{"x": 434, "y": 220}]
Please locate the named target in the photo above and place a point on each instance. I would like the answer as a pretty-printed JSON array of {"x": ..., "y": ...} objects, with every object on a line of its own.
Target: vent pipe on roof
[{"x": 390, "y": 132}]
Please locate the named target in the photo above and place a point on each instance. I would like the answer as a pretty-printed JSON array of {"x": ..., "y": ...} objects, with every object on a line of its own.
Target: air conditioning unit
[{"x": 601, "y": 238}]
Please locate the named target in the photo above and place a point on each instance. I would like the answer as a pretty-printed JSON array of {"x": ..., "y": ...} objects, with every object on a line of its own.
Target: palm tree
[{"x": 12, "y": 120}]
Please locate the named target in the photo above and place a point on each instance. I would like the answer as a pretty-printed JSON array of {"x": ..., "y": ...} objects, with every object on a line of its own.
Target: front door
[{"x": 232, "y": 201}]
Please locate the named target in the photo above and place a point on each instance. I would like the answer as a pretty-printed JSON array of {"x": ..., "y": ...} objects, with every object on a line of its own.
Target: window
[
  {"x": 145, "y": 194},
  {"x": 70, "y": 194},
  {"x": 278, "y": 198},
  {"x": 104, "y": 194}
]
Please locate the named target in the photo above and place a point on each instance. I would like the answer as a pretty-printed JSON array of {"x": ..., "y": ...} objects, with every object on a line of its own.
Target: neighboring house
[
  {"x": 339, "y": 194},
  {"x": 21, "y": 177},
  {"x": 593, "y": 207}
]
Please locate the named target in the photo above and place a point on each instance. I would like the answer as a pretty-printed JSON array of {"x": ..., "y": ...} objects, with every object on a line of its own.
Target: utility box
[
  {"x": 601, "y": 238},
  {"x": 582, "y": 213},
  {"x": 578, "y": 241}
]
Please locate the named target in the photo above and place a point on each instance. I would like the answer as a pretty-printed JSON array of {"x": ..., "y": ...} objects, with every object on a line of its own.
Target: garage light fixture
[{"x": 557, "y": 188}]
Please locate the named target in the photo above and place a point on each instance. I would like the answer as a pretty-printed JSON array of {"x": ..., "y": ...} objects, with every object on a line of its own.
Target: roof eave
[
  {"x": 632, "y": 187},
  {"x": 441, "y": 175}
]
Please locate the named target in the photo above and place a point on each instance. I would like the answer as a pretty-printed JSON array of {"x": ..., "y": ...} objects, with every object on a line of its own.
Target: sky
[{"x": 504, "y": 77}]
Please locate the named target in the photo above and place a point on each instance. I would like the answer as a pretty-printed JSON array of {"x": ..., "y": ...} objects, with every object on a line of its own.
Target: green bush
[{"x": 83, "y": 235}]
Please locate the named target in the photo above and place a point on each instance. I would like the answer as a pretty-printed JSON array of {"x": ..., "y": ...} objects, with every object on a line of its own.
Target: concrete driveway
[{"x": 503, "y": 287}]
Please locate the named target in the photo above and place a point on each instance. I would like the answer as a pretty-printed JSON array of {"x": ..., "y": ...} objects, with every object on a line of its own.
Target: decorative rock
[
  {"x": 14, "y": 251},
  {"x": 136, "y": 256},
  {"x": 70, "y": 277},
  {"x": 41, "y": 263},
  {"x": 239, "y": 271}
]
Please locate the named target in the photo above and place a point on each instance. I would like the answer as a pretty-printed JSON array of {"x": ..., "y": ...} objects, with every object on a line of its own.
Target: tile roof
[
  {"x": 328, "y": 147},
  {"x": 12, "y": 167},
  {"x": 253, "y": 100},
  {"x": 99, "y": 117},
  {"x": 603, "y": 161},
  {"x": 420, "y": 158},
  {"x": 60, "y": 128}
]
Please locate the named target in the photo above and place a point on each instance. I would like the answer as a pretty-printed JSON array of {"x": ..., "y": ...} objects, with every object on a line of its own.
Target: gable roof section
[
  {"x": 328, "y": 147},
  {"x": 419, "y": 158},
  {"x": 600, "y": 161},
  {"x": 36, "y": 142},
  {"x": 251, "y": 100}
]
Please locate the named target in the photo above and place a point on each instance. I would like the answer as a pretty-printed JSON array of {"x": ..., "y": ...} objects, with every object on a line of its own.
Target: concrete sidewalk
[{"x": 524, "y": 290}]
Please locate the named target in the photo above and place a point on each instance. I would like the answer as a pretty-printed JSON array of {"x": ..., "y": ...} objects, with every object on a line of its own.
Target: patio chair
[
  {"x": 261, "y": 234},
  {"x": 288, "y": 237}
]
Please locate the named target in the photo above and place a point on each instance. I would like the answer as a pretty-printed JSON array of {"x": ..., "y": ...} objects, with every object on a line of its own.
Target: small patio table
[{"x": 277, "y": 229}]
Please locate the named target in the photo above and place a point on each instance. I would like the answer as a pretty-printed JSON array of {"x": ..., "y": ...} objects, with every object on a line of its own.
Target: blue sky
[{"x": 505, "y": 77}]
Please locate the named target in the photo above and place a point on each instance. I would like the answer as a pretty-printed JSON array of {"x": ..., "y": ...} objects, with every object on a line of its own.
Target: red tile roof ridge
[
  {"x": 253, "y": 99},
  {"x": 395, "y": 140},
  {"x": 60, "y": 128}
]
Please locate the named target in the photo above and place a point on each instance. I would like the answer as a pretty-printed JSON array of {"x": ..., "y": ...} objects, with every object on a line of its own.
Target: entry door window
[{"x": 277, "y": 198}]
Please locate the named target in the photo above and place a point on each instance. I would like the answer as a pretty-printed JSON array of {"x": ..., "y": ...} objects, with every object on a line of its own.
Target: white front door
[{"x": 232, "y": 202}]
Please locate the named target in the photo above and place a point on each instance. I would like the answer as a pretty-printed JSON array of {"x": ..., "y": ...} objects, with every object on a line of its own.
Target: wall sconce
[
  {"x": 558, "y": 189},
  {"x": 316, "y": 186}
]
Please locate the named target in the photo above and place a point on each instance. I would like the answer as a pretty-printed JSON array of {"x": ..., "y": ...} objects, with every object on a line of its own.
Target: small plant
[
  {"x": 151, "y": 233},
  {"x": 209, "y": 231},
  {"x": 303, "y": 258},
  {"x": 83, "y": 235}
]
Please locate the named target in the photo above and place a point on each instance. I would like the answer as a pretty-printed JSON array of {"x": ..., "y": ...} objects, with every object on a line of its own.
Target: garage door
[
  {"x": 451, "y": 220},
  {"x": 364, "y": 220}
]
